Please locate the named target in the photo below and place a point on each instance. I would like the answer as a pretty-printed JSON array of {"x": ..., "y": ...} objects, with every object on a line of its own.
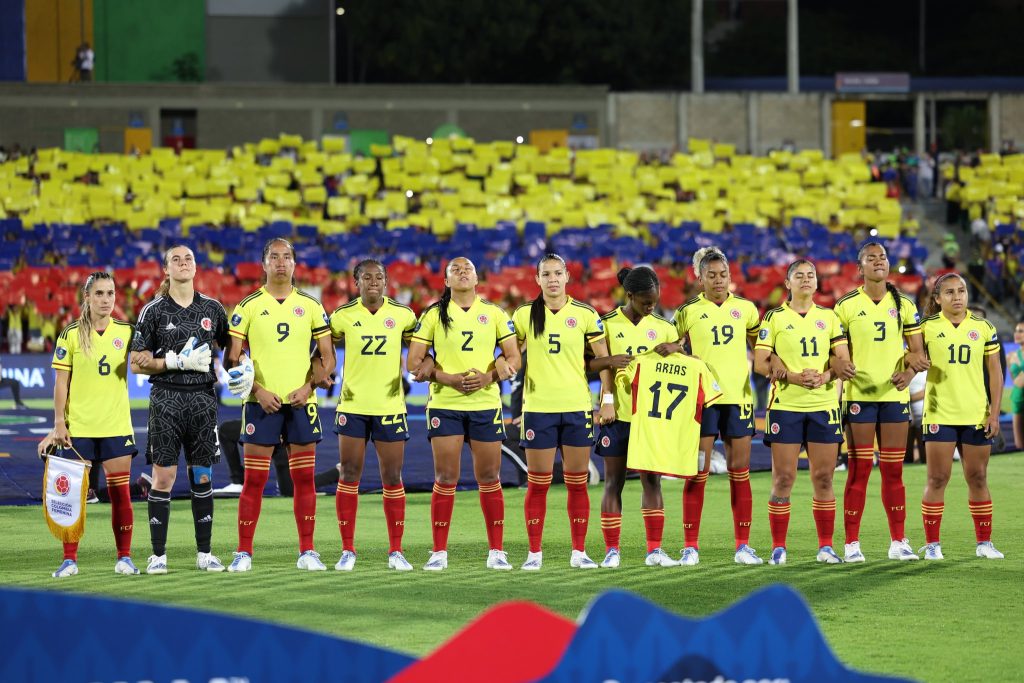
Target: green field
[{"x": 954, "y": 620}]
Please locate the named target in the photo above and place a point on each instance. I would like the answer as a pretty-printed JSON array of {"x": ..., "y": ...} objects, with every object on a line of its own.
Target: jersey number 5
[{"x": 680, "y": 393}]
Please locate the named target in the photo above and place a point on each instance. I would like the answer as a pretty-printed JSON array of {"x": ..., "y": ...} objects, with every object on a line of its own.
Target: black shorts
[
  {"x": 613, "y": 439},
  {"x": 729, "y": 420},
  {"x": 376, "y": 427},
  {"x": 476, "y": 425},
  {"x": 876, "y": 412},
  {"x": 100, "y": 448},
  {"x": 967, "y": 435},
  {"x": 180, "y": 419},
  {"x": 288, "y": 425},
  {"x": 551, "y": 430}
]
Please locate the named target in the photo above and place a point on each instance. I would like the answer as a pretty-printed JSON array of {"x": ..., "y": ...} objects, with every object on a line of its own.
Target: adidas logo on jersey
[
  {"x": 704, "y": 316},
  {"x": 790, "y": 327},
  {"x": 265, "y": 312},
  {"x": 358, "y": 323},
  {"x": 942, "y": 335},
  {"x": 208, "y": 519},
  {"x": 862, "y": 313},
  {"x": 620, "y": 336},
  {"x": 170, "y": 326}
]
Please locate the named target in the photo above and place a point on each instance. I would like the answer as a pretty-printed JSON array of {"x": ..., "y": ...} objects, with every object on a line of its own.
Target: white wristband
[{"x": 608, "y": 400}]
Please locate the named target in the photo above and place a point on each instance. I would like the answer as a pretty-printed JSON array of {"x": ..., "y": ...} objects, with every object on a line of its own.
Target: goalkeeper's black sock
[
  {"x": 159, "y": 517},
  {"x": 202, "y": 514}
]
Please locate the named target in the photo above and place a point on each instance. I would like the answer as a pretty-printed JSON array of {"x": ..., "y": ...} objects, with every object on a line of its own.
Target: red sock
[
  {"x": 742, "y": 504},
  {"x": 611, "y": 526},
  {"x": 824, "y": 512},
  {"x": 442, "y": 502},
  {"x": 301, "y": 465},
  {"x": 122, "y": 517},
  {"x": 71, "y": 551},
  {"x": 492, "y": 502},
  {"x": 981, "y": 512},
  {"x": 535, "y": 506},
  {"x": 654, "y": 526},
  {"x": 693, "y": 505},
  {"x": 394, "y": 516},
  {"x": 257, "y": 471},
  {"x": 894, "y": 494},
  {"x": 931, "y": 514},
  {"x": 346, "y": 505},
  {"x": 858, "y": 471},
  {"x": 778, "y": 522},
  {"x": 578, "y": 507}
]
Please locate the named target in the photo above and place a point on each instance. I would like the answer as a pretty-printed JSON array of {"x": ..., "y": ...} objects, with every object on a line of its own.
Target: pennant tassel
[{"x": 64, "y": 490}]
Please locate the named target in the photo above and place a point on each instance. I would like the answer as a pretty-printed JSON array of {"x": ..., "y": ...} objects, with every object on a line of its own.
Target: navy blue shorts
[
  {"x": 787, "y": 426},
  {"x": 100, "y": 448},
  {"x": 613, "y": 440},
  {"x": 877, "y": 412},
  {"x": 475, "y": 425},
  {"x": 550, "y": 430},
  {"x": 968, "y": 435},
  {"x": 288, "y": 425},
  {"x": 727, "y": 420},
  {"x": 376, "y": 427}
]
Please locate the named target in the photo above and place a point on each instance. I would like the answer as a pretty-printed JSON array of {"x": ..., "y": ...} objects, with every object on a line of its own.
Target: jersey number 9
[{"x": 283, "y": 330}]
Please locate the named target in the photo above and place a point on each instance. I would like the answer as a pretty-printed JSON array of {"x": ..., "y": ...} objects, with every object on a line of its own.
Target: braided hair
[
  {"x": 537, "y": 317},
  {"x": 889, "y": 287}
]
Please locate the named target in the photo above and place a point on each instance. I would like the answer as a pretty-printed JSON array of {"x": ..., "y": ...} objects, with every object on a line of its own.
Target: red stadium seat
[{"x": 249, "y": 272}]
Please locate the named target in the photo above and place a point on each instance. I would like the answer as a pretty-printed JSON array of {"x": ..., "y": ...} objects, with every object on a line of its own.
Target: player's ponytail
[
  {"x": 891, "y": 288},
  {"x": 537, "y": 317},
  {"x": 85, "y": 317},
  {"x": 442, "y": 309}
]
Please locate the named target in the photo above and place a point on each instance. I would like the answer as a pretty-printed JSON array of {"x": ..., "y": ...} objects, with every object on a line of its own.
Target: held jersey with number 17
[{"x": 625, "y": 337}]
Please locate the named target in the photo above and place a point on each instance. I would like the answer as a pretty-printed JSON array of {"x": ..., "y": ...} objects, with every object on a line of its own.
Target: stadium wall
[
  {"x": 35, "y": 114},
  {"x": 141, "y": 41}
]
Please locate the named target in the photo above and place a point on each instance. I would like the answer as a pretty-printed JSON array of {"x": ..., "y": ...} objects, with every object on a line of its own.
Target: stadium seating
[{"x": 995, "y": 189}]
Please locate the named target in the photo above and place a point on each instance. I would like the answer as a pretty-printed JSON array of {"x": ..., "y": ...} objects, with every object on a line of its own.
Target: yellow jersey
[
  {"x": 801, "y": 341},
  {"x": 280, "y": 336},
  {"x": 556, "y": 377},
  {"x": 98, "y": 395},
  {"x": 718, "y": 336},
  {"x": 667, "y": 398},
  {"x": 468, "y": 343},
  {"x": 875, "y": 333},
  {"x": 371, "y": 382},
  {"x": 633, "y": 340},
  {"x": 955, "y": 387}
]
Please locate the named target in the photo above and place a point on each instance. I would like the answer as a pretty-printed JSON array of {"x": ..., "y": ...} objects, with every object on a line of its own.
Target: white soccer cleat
[
  {"x": 228, "y": 490},
  {"x": 690, "y": 557},
  {"x": 580, "y": 560},
  {"x": 208, "y": 562},
  {"x": 397, "y": 561},
  {"x": 611, "y": 559},
  {"x": 347, "y": 562},
  {"x": 497, "y": 559},
  {"x": 901, "y": 550},
  {"x": 126, "y": 566},
  {"x": 659, "y": 558},
  {"x": 932, "y": 551},
  {"x": 828, "y": 556},
  {"x": 747, "y": 555},
  {"x": 988, "y": 551},
  {"x": 157, "y": 564},
  {"x": 852, "y": 553},
  {"x": 438, "y": 561},
  {"x": 310, "y": 561},
  {"x": 241, "y": 563},
  {"x": 534, "y": 561},
  {"x": 778, "y": 556},
  {"x": 67, "y": 568}
]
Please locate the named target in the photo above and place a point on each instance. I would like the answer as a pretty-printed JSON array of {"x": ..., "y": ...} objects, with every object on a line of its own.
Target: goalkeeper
[{"x": 174, "y": 341}]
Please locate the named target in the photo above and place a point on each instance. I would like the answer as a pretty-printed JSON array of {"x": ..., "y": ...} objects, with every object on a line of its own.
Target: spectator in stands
[
  {"x": 84, "y": 60},
  {"x": 15, "y": 387},
  {"x": 15, "y": 334},
  {"x": 980, "y": 232}
]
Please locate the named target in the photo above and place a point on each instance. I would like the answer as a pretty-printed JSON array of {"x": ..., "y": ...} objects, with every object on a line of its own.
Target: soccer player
[
  {"x": 879, "y": 322},
  {"x": 631, "y": 330},
  {"x": 957, "y": 410},
  {"x": 558, "y": 409},
  {"x": 173, "y": 344},
  {"x": 465, "y": 402},
  {"x": 1017, "y": 393},
  {"x": 371, "y": 405},
  {"x": 793, "y": 347},
  {"x": 281, "y": 324},
  {"x": 720, "y": 326},
  {"x": 90, "y": 408}
]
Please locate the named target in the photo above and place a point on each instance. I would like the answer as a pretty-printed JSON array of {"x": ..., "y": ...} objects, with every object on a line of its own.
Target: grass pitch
[{"x": 954, "y": 620}]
